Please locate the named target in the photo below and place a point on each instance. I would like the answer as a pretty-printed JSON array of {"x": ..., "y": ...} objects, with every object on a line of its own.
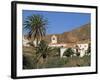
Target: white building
[
  {"x": 54, "y": 39},
  {"x": 82, "y": 48},
  {"x": 54, "y": 42},
  {"x": 25, "y": 42},
  {"x": 78, "y": 47}
]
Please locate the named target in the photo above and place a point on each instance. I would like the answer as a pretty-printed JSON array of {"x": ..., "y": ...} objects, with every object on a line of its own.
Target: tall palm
[{"x": 36, "y": 25}]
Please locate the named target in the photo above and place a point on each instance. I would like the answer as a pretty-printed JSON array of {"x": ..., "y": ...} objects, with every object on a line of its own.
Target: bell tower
[{"x": 54, "y": 39}]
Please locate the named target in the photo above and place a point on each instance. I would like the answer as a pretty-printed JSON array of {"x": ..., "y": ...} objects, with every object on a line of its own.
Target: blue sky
[{"x": 59, "y": 22}]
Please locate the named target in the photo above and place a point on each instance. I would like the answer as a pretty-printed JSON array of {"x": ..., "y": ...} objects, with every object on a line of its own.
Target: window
[{"x": 53, "y": 38}]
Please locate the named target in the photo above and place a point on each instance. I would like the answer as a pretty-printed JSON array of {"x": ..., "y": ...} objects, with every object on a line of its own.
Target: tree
[
  {"x": 36, "y": 25},
  {"x": 89, "y": 48},
  {"x": 43, "y": 49},
  {"x": 68, "y": 52}
]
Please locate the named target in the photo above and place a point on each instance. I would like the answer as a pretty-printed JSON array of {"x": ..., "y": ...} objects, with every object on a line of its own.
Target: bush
[
  {"x": 68, "y": 52},
  {"x": 78, "y": 54},
  {"x": 28, "y": 62},
  {"x": 89, "y": 49},
  {"x": 54, "y": 62},
  {"x": 55, "y": 52}
]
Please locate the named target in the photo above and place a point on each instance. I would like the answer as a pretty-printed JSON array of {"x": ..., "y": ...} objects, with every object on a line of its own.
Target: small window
[
  {"x": 85, "y": 46},
  {"x": 53, "y": 38}
]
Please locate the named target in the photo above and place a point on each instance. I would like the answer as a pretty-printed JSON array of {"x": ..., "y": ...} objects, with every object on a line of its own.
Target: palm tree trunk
[
  {"x": 36, "y": 42},
  {"x": 37, "y": 59}
]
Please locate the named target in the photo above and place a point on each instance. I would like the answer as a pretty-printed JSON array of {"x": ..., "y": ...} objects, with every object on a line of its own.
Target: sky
[{"x": 59, "y": 22}]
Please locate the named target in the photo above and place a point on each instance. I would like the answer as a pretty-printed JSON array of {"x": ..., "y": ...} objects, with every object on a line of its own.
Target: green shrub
[
  {"x": 55, "y": 62},
  {"x": 78, "y": 54},
  {"x": 28, "y": 62},
  {"x": 68, "y": 52}
]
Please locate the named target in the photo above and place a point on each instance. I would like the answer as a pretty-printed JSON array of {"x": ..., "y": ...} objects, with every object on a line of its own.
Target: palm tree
[
  {"x": 43, "y": 49},
  {"x": 36, "y": 25}
]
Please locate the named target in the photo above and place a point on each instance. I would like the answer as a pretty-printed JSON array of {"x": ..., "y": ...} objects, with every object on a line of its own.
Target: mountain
[{"x": 80, "y": 34}]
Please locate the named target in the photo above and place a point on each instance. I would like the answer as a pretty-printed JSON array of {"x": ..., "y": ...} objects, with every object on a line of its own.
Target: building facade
[{"x": 76, "y": 47}]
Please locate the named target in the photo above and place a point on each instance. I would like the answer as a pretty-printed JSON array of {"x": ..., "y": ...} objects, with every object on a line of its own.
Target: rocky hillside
[{"x": 80, "y": 34}]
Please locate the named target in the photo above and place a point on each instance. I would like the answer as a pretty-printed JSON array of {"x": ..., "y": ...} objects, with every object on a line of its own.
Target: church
[
  {"x": 54, "y": 41},
  {"x": 77, "y": 47}
]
